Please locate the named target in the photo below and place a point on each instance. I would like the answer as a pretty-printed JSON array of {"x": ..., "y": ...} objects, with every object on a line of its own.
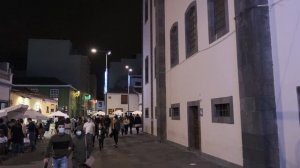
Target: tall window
[
  {"x": 298, "y": 95},
  {"x": 146, "y": 112},
  {"x": 191, "y": 37},
  {"x": 174, "y": 45},
  {"x": 175, "y": 111},
  {"x": 124, "y": 99},
  {"x": 218, "y": 24},
  {"x": 54, "y": 93},
  {"x": 146, "y": 10},
  {"x": 222, "y": 110},
  {"x": 147, "y": 70}
]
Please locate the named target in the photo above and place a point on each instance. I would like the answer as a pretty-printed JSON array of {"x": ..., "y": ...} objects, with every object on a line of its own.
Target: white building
[
  {"x": 208, "y": 83},
  {"x": 285, "y": 30},
  {"x": 122, "y": 83},
  {"x": 5, "y": 84}
]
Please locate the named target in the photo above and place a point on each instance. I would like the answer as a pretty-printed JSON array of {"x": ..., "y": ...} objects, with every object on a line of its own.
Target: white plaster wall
[
  {"x": 210, "y": 73},
  {"x": 285, "y": 29},
  {"x": 4, "y": 92},
  {"x": 115, "y": 101},
  {"x": 146, "y": 53}
]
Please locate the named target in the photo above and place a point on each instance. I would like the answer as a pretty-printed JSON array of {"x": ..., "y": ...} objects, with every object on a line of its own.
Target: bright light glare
[
  {"x": 130, "y": 70},
  {"x": 93, "y": 50},
  {"x": 126, "y": 66},
  {"x": 109, "y": 52},
  {"x": 105, "y": 81}
]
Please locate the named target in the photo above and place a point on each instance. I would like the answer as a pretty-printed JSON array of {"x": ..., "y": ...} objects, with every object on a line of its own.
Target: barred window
[
  {"x": 174, "y": 45},
  {"x": 175, "y": 111},
  {"x": 191, "y": 30},
  {"x": 217, "y": 19},
  {"x": 222, "y": 110},
  {"x": 54, "y": 93}
]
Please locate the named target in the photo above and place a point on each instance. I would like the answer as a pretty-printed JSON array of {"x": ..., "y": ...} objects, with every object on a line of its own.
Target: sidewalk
[{"x": 134, "y": 151}]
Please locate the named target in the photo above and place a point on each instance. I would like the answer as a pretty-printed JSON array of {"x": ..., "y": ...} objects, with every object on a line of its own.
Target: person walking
[
  {"x": 131, "y": 119},
  {"x": 31, "y": 128},
  {"x": 59, "y": 146},
  {"x": 89, "y": 129},
  {"x": 79, "y": 149},
  {"x": 137, "y": 123},
  {"x": 107, "y": 123},
  {"x": 126, "y": 123},
  {"x": 17, "y": 137},
  {"x": 115, "y": 130}
]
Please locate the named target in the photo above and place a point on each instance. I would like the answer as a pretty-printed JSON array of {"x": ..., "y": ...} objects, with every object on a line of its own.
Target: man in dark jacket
[
  {"x": 131, "y": 119},
  {"x": 137, "y": 123},
  {"x": 17, "y": 137},
  {"x": 32, "y": 133},
  {"x": 79, "y": 149},
  {"x": 4, "y": 127},
  {"x": 60, "y": 146}
]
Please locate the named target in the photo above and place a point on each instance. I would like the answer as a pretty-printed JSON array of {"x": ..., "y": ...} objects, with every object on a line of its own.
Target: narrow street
[{"x": 142, "y": 151}]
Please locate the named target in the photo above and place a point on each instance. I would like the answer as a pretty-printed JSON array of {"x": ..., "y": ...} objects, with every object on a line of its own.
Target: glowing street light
[
  {"x": 129, "y": 70},
  {"x": 107, "y": 53}
]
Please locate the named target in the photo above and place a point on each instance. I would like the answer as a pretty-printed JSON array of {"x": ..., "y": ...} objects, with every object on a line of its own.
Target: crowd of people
[{"x": 65, "y": 136}]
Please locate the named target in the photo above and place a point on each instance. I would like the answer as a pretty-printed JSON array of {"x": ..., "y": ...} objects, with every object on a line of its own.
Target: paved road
[{"x": 134, "y": 151}]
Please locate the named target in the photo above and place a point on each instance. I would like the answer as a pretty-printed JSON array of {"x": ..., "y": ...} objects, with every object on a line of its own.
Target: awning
[
  {"x": 33, "y": 114},
  {"x": 13, "y": 112}
]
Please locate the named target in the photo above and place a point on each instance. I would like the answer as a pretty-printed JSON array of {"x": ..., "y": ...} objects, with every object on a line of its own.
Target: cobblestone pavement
[{"x": 134, "y": 151}]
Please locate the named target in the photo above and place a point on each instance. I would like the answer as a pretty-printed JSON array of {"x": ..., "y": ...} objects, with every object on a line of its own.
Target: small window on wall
[
  {"x": 147, "y": 113},
  {"x": 146, "y": 70},
  {"x": 52, "y": 108},
  {"x": 54, "y": 93},
  {"x": 222, "y": 110},
  {"x": 124, "y": 99},
  {"x": 175, "y": 111},
  {"x": 155, "y": 112}
]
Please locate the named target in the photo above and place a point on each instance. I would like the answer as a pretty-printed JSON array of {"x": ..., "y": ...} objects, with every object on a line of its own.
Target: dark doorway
[{"x": 194, "y": 130}]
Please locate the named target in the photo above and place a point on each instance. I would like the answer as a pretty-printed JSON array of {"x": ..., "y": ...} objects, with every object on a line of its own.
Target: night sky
[{"x": 105, "y": 24}]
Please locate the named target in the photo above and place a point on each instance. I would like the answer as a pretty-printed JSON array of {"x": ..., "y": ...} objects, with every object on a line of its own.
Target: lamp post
[
  {"x": 107, "y": 53},
  {"x": 128, "y": 83}
]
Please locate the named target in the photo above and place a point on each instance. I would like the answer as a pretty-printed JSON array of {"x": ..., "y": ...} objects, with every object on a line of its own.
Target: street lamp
[
  {"x": 128, "y": 83},
  {"x": 107, "y": 53}
]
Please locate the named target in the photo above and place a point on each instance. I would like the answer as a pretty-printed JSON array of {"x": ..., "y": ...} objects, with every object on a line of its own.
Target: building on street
[
  {"x": 219, "y": 77},
  {"x": 5, "y": 84}
]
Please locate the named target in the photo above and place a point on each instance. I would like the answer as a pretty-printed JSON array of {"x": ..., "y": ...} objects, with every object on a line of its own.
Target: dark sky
[{"x": 105, "y": 24}]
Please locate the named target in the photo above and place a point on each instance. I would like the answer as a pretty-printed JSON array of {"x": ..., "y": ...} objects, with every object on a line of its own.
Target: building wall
[
  {"x": 114, "y": 101},
  {"x": 34, "y": 103},
  {"x": 149, "y": 94},
  {"x": 66, "y": 99},
  {"x": 285, "y": 31},
  {"x": 210, "y": 73},
  {"x": 5, "y": 84}
]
